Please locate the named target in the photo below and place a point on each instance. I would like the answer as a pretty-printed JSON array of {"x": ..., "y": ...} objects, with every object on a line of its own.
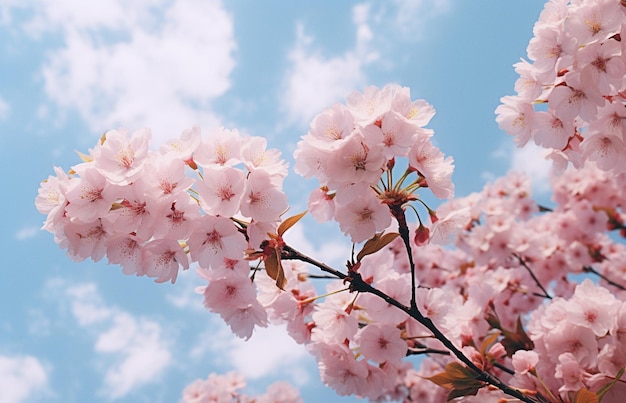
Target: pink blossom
[
  {"x": 578, "y": 97},
  {"x": 370, "y": 105},
  {"x": 381, "y": 343},
  {"x": 162, "y": 258},
  {"x": 183, "y": 147},
  {"x": 448, "y": 226},
  {"x": 177, "y": 219},
  {"x": 355, "y": 161},
  {"x": 164, "y": 177},
  {"x": 321, "y": 205},
  {"x": 228, "y": 293},
  {"x": 89, "y": 196},
  {"x": 339, "y": 370},
  {"x": 51, "y": 199},
  {"x": 125, "y": 250},
  {"x": 255, "y": 156},
  {"x": 596, "y": 21},
  {"x": 243, "y": 320},
  {"x": 551, "y": 131},
  {"x": 120, "y": 157},
  {"x": 85, "y": 239},
  {"x": 280, "y": 392},
  {"x": 215, "y": 239},
  {"x": 568, "y": 369},
  {"x": 221, "y": 190},
  {"x": 221, "y": 147},
  {"x": 429, "y": 161},
  {"x": 515, "y": 116},
  {"x": 418, "y": 112},
  {"x": 262, "y": 200},
  {"x": 594, "y": 307},
  {"x": 333, "y": 324},
  {"x": 362, "y": 217},
  {"x": 524, "y": 361}
]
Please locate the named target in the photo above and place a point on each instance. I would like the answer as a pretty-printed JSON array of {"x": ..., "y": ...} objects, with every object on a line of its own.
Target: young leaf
[
  {"x": 603, "y": 390},
  {"x": 376, "y": 243},
  {"x": 289, "y": 222},
  {"x": 488, "y": 342},
  {"x": 585, "y": 396},
  {"x": 462, "y": 392},
  {"x": 274, "y": 269},
  {"x": 457, "y": 378}
]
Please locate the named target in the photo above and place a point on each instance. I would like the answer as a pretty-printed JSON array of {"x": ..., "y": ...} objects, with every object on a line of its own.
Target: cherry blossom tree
[{"x": 505, "y": 299}]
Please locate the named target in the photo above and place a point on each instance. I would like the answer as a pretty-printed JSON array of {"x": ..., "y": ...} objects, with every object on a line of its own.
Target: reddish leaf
[
  {"x": 458, "y": 378},
  {"x": 376, "y": 243},
  {"x": 289, "y": 222},
  {"x": 585, "y": 396},
  {"x": 488, "y": 342},
  {"x": 274, "y": 269}
]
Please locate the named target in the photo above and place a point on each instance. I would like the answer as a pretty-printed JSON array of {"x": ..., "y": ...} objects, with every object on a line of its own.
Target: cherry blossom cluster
[
  {"x": 205, "y": 200},
  {"x": 580, "y": 341},
  {"x": 350, "y": 147},
  {"x": 571, "y": 94},
  {"x": 228, "y": 388}
]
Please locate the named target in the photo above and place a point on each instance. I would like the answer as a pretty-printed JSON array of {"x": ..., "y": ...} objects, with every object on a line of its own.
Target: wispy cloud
[
  {"x": 5, "y": 109},
  {"x": 314, "y": 81},
  {"x": 269, "y": 353},
  {"x": 530, "y": 160},
  {"x": 21, "y": 378},
  {"x": 133, "y": 349},
  {"x": 410, "y": 16},
  {"x": 26, "y": 233},
  {"x": 149, "y": 63}
]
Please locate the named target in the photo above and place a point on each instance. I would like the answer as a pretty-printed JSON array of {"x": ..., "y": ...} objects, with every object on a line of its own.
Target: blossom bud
[{"x": 422, "y": 235}]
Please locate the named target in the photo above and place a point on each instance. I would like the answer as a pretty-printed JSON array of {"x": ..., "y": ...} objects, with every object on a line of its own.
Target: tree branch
[{"x": 358, "y": 284}]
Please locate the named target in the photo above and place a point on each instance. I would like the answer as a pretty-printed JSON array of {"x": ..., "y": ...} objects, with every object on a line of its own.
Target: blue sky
[{"x": 69, "y": 70}]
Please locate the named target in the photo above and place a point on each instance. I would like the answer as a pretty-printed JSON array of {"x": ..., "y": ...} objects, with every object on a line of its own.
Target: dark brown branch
[
  {"x": 523, "y": 263},
  {"x": 589, "y": 269},
  {"x": 359, "y": 285}
]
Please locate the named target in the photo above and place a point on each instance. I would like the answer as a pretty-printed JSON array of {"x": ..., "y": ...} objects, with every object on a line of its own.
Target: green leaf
[
  {"x": 603, "y": 390},
  {"x": 376, "y": 243},
  {"x": 289, "y": 222}
]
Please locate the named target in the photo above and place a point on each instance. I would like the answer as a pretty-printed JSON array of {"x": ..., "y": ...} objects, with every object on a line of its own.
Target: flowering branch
[{"x": 357, "y": 284}]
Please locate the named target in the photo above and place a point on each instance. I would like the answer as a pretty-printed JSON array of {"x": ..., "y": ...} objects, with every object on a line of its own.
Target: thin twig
[
  {"x": 589, "y": 269},
  {"x": 523, "y": 263}
]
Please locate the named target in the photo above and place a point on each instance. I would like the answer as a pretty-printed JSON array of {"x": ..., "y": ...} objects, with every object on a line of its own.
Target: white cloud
[
  {"x": 5, "y": 109},
  {"x": 409, "y": 16},
  {"x": 133, "y": 349},
  {"x": 269, "y": 351},
  {"x": 26, "y": 233},
  {"x": 184, "y": 296},
  {"x": 314, "y": 81},
  {"x": 151, "y": 63},
  {"x": 530, "y": 160},
  {"x": 21, "y": 377},
  {"x": 142, "y": 353}
]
